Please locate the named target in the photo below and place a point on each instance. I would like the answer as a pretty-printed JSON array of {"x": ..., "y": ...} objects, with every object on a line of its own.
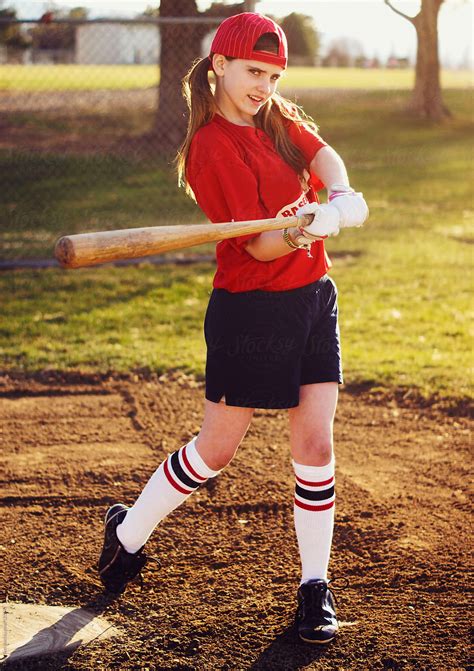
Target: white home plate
[{"x": 28, "y": 630}]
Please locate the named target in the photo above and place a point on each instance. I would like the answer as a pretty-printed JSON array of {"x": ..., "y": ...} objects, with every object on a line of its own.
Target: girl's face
[{"x": 243, "y": 87}]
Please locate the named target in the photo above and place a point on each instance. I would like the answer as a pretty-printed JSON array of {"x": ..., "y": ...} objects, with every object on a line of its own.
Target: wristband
[{"x": 336, "y": 190}]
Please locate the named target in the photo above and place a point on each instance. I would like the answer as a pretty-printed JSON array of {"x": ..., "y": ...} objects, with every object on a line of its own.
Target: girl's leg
[
  {"x": 182, "y": 472},
  {"x": 313, "y": 460},
  {"x": 311, "y": 439},
  {"x": 223, "y": 429}
]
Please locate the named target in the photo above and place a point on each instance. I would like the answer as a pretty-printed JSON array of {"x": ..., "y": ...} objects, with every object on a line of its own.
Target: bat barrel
[{"x": 91, "y": 249}]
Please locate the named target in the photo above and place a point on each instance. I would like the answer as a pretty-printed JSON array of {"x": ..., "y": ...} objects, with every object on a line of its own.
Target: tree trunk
[
  {"x": 426, "y": 99},
  {"x": 180, "y": 46}
]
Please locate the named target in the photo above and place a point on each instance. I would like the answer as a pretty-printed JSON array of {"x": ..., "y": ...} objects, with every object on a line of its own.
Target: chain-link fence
[
  {"x": 91, "y": 115},
  {"x": 86, "y": 139}
]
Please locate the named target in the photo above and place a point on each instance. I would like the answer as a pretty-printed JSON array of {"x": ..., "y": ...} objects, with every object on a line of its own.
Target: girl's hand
[
  {"x": 350, "y": 205},
  {"x": 326, "y": 221}
]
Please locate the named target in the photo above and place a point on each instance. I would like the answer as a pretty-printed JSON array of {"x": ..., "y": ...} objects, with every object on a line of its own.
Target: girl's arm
[
  {"x": 270, "y": 245},
  {"x": 330, "y": 168}
]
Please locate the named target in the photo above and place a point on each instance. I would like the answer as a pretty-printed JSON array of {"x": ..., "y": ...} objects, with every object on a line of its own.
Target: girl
[{"x": 271, "y": 325}]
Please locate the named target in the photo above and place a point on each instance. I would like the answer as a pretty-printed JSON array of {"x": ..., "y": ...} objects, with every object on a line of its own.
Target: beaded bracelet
[
  {"x": 288, "y": 240},
  {"x": 291, "y": 244}
]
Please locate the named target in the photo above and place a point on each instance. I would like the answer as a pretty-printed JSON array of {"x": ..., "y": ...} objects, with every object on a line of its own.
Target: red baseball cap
[{"x": 237, "y": 36}]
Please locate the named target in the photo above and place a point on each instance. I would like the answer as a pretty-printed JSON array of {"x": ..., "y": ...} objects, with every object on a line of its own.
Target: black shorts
[{"x": 263, "y": 345}]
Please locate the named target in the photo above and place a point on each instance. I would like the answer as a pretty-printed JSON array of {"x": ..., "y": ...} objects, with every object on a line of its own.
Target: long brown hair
[{"x": 272, "y": 118}]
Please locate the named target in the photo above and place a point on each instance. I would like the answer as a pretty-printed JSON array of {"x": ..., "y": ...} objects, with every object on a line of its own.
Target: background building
[{"x": 117, "y": 44}]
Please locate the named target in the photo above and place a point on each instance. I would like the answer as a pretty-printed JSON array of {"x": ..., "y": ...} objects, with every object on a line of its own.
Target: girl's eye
[{"x": 274, "y": 78}]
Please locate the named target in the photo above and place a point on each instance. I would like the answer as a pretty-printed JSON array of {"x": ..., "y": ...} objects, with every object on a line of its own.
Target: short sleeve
[
  {"x": 309, "y": 143},
  {"x": 306, "y": 140},
  {"x": 227, "y": 190}
]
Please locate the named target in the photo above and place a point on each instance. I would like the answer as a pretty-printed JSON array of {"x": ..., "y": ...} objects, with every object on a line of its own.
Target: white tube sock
[
  {"x": 314, "y": 517},
  {"x": 180, "y": 474}
]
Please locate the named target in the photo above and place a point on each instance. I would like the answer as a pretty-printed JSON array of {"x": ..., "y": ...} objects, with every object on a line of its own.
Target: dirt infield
[{"x": 224, "y": 596}]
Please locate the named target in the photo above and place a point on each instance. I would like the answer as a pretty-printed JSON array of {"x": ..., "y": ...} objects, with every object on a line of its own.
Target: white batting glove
[
  {"x": 325, "y": 222},
  {"x": 350, "y": 205}
]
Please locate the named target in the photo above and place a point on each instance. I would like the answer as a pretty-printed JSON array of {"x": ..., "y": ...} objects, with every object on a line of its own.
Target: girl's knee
[
  {"x": 313, "y": 452},
  {"x": 215, "y": 456}
]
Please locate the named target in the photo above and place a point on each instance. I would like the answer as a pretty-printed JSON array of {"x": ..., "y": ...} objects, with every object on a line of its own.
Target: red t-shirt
[{"x": 237, "y": 175}]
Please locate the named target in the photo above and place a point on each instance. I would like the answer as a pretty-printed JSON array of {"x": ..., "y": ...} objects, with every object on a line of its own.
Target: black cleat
[
  {"x": 316, "y": 614},
  {"x": 116, "y": 566}
]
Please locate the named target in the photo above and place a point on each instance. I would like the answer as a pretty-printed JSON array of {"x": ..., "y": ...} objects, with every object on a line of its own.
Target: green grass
[
  {"x": 358, "y": 78},
  {"x": 46, "y": 196},
  {"x": 100, "y": 319},
  {"x": 404, "y": 279},
  {"x": 77, "y": 77},
  {"x": 87, "y": 77}
]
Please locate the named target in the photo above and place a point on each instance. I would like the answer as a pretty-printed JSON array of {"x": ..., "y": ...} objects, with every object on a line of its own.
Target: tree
[
  {"x": 10, "y": 33},
  {"x": 343, "y": 52},
  {"x": 180, "y": 46},
  {"x": 48, "y": 35},
  {"x": 150, "y": 12},
  {"x": 303, "y": 39},
  {"x": 426, "y": 100}
]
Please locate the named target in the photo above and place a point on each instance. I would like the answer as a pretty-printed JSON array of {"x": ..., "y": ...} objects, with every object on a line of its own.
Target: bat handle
[{"x": 304, "y": 220}]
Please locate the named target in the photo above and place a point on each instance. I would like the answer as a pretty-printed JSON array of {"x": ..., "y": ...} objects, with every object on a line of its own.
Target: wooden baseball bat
[{"x": 90, "y": 249}]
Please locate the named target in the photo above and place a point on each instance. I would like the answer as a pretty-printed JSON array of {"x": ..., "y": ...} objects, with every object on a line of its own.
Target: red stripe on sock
[
  {"x": 326, "y": 506},
  {"x": 315, "y": 484},
  {"x": 188, "y": 465},
  {"x": 172, "y": 482}
]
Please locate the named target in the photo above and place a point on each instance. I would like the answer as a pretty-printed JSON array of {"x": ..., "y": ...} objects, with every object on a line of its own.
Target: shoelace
[
  {"x": 317, "y": 593},
  {"x": 338, "y": 577},
  {"x": 338, "y": 588}
]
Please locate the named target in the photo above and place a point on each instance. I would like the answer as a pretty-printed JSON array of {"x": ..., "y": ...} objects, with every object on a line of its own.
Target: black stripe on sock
[
  {"x": 179, "y": 472},
  {"x": 315, "y": 496}
]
